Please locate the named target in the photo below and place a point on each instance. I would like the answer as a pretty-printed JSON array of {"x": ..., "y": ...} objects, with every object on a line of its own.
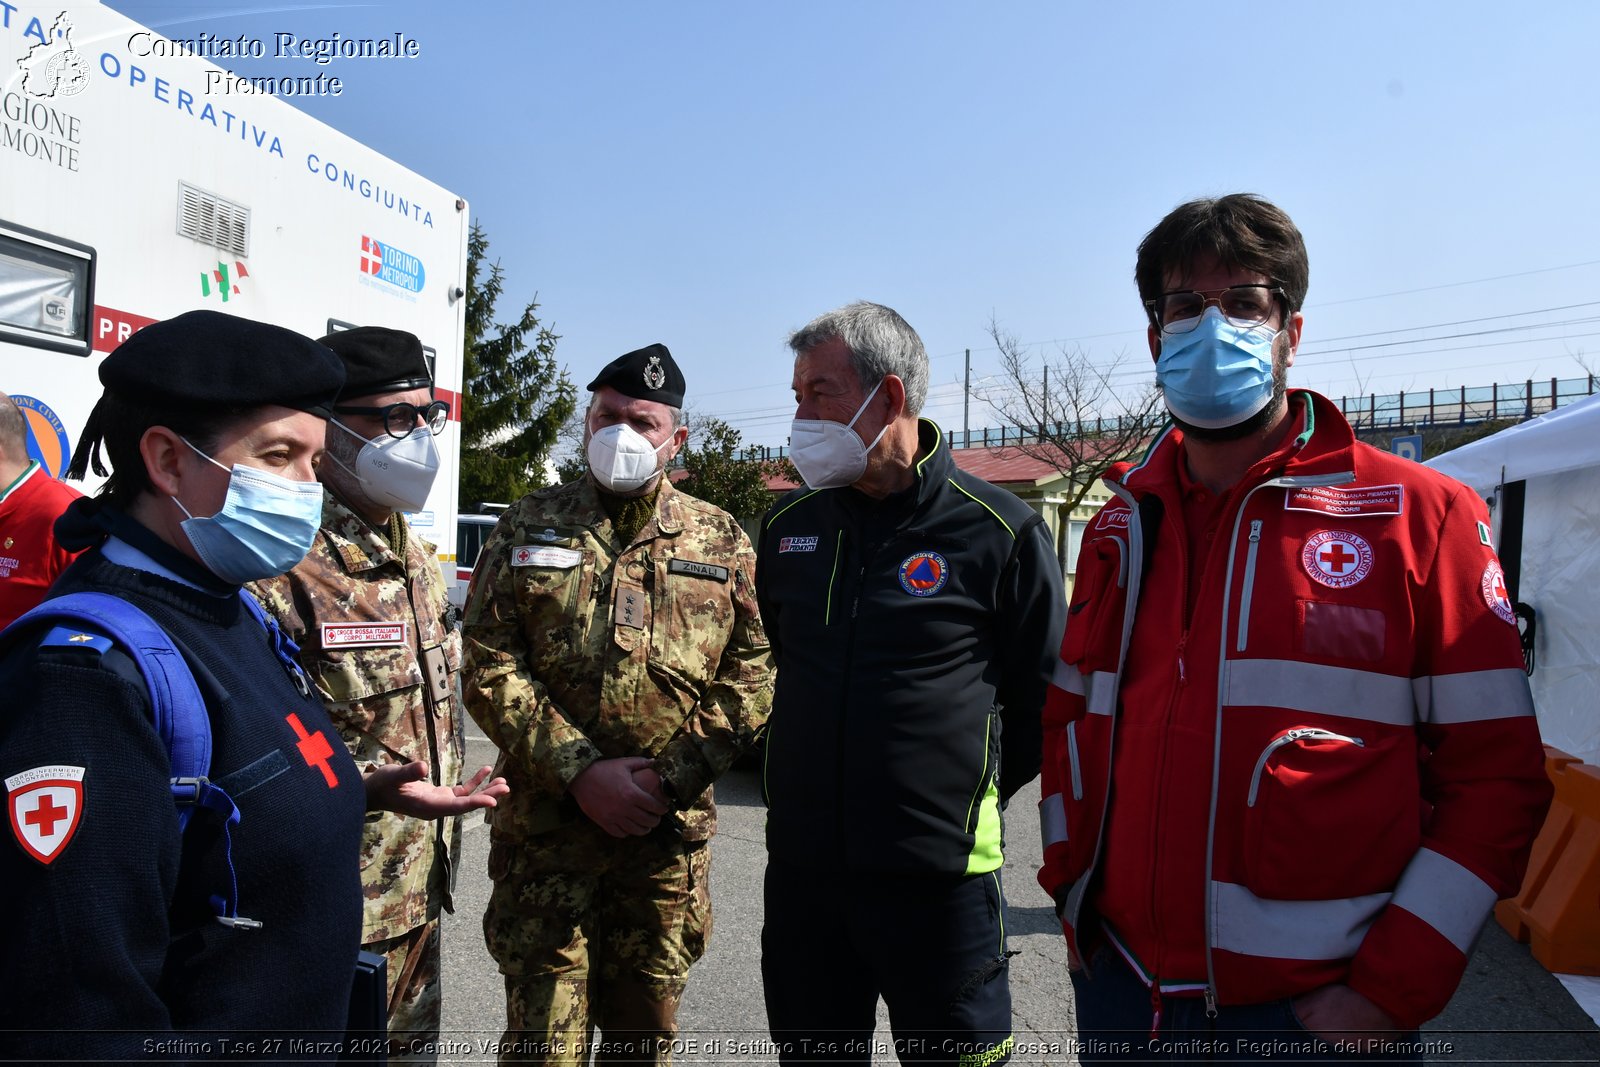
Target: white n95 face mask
[
  {"x": 830, "y": 454},
  {"x": 622, "y": 459},
  {"x": 396, "y": 472}
]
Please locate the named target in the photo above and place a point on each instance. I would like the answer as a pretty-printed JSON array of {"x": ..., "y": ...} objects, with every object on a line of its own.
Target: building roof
[{"x": 1007, "y": 465}]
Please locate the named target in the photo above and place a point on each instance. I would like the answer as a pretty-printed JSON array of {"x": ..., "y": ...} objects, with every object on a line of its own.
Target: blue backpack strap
[
  {"x": 102, "y": 621},
  {"x": 283, "y": 646},
  {"x": 175, "y": 702}
]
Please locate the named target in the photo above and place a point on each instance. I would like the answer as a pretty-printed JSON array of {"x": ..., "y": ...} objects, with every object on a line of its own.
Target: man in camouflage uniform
[
  {"x": 615, "y": 655},
  {"x": 367, "y": 607}
]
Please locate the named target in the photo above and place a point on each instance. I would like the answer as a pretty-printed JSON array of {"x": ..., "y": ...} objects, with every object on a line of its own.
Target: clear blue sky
[{"x": 712, "y": 175}]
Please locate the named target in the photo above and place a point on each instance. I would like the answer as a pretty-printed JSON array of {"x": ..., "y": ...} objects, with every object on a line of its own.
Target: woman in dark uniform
[{"x": 126, "y": 937}]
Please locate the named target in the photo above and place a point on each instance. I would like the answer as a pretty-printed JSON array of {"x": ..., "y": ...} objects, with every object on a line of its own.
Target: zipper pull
[
  {"x": 1211, "y": 1003},
  {"x": 1183, "y": 676},
  {"x": 1255, "y": 531},
  {"x": 1155, "y": 1010}
]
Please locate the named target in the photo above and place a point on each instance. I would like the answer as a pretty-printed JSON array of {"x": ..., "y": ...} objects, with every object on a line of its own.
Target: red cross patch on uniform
[
  {"x": 314, "y": 749},
  {"x": 1495, "y": 593},
  {"x": 1337, "y": 558},
  {"x": 45, "y": 806}
]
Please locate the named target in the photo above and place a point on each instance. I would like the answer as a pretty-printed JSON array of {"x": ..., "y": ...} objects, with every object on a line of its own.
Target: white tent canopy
[
  {"x": 1558, "y": 456},
  {"x": 1562, "y": 440}
]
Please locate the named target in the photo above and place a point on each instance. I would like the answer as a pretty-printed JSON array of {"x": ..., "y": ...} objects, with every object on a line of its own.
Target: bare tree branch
[
  {"x": 1080, "y": 423},
  {"x": 1357, "y": 418},
  {"x": 1581, "y": 360}
]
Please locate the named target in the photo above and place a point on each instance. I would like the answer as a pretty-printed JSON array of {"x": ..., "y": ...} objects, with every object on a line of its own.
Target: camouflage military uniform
[
  {"x": 581, "y": 647},
  {"x": 360, "y": 618}
]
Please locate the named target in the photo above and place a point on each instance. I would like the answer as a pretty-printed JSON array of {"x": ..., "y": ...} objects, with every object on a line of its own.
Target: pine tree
[
  {"x": 514, "y": 398},
  {"x": 718, "y": 475}
]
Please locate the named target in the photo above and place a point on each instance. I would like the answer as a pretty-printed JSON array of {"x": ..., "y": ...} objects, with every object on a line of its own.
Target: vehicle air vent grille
[{"x": 209, "y": 219}]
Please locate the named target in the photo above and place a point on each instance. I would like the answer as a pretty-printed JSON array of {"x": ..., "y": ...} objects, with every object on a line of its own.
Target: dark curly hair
[{"x": 1241, "y": 230}]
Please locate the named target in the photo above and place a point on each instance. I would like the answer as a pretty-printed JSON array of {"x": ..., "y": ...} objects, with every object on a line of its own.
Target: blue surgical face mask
[
  {"x": 1217, "y": 374},
  {"x": 267, "y": 525}
]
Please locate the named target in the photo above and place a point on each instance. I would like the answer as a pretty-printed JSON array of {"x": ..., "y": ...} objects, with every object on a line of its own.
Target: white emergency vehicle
[{"x": 133, "y": 188}]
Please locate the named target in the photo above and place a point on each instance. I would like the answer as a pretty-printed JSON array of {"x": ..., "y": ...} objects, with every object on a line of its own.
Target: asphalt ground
[{"x": 1508, "y": 1010}]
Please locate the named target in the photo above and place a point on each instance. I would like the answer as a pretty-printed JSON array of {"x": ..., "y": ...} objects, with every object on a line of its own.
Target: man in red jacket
[
  {"x": 1290, "y": 759},
  {"x": 30, "y": 503}
]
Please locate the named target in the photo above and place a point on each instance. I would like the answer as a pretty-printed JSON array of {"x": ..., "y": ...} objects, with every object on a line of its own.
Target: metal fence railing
[
  {"x": 1419, "y": 408},
  {"x": 1457, "y": 407}
]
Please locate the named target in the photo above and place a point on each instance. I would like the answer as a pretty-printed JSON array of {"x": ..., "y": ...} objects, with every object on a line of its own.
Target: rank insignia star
[{"x": 80, "y": 638}]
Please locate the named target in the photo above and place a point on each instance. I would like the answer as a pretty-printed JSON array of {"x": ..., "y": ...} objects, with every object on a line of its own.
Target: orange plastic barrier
[{"x": 1557, "y": 911}]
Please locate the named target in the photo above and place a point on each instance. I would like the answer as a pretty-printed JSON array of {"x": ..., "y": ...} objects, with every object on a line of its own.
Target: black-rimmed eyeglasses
[
  {"x": 1243, "y": 305},
  {"x": 400, "y": 420}
]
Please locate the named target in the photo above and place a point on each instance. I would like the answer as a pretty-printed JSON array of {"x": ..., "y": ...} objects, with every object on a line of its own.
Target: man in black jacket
[{"x": 913, "y": 612}]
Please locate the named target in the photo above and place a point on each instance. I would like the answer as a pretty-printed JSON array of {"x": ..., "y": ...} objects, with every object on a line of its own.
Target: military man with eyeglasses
[
  {"x": 367, "y": 607},
  {"x": 1290, "y": 759}
]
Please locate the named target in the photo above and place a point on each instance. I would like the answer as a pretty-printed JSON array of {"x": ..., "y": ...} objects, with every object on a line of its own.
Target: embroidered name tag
[
  {"x": 364, "y": 634},
  {"x": 796, "y": 544},
  {"x": 698, "y": 570},
  {"x": 1332, "y": 500},
  {"x": 545, "y": 556}
]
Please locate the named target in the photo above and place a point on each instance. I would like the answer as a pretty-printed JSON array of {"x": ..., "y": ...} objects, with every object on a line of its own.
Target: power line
[
  {"x": 939, "y": 393},
  {"x": 1457, "y": 285},
  {"x": 1455, "y": 336},
  {"x": 777, "y": 418},
  {"x": 1333, "y": 303},
  {"x": 1458, "y": 322}
]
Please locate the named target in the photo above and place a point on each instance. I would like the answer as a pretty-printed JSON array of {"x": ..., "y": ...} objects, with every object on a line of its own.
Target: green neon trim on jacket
[
  {"x": 991, "y": 1055},
  {"x": 938, "y": 443},
  {"x": 789, "y": 505},
  {"x": 999, "y": 894},
  {"x": 986, "y": 855},
  {"x": 985, "y": 507},
  {"x": 838, "y": 548}
]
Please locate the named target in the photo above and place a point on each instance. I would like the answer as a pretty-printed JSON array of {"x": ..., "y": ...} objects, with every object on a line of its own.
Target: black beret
[
  {"x": 379, "y": 360},
  {"x": 206, "y": 359},
  {"x": 646, "y": 374}
]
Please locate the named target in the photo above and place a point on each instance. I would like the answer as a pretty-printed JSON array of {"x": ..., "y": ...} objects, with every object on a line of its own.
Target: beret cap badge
[
  {"x": 648, "y": 373},
  {"x": 654, "y": 376}
]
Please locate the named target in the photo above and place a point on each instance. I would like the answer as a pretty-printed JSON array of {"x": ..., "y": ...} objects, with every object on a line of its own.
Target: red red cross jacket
[{"x": 1330, "y": 770}]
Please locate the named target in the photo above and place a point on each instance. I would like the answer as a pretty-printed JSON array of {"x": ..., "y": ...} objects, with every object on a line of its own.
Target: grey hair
[
  {"x": 880, "y": 343},
  {"x": 676, "y": 413}
]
